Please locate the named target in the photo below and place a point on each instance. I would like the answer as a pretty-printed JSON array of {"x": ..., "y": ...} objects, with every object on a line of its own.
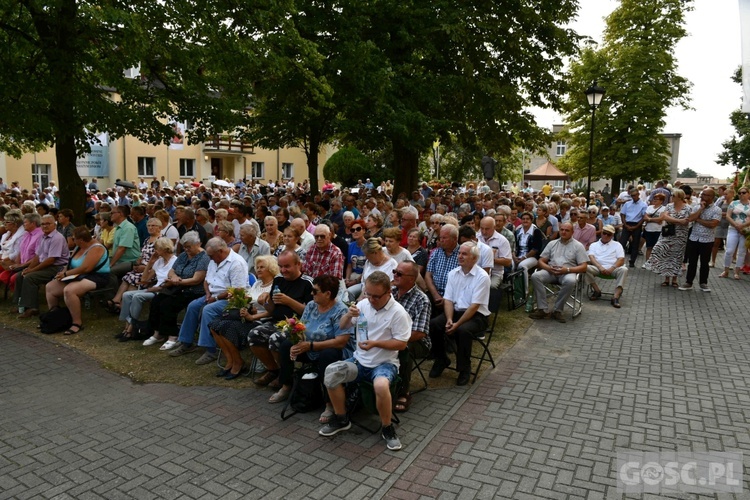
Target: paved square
[{"x": 668, "y": 371}]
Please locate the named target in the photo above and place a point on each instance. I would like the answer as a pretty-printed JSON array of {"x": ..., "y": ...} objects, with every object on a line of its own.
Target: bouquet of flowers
[
  {"x": 236, "y": 300},
  {"x": 293, "y": 328}
]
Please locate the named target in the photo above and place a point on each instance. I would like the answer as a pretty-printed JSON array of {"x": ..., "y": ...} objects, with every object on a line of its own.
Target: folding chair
[
  {"x": 365, "y": 398},
  {"x": 514, "y": 288},
  {"x": 575, "y": 301},
  {"x": 484, "y": 338},
  {"x": 254, "y": 362},
  {"x": 418, "y": 368},
  {"x": 590, "y": 289}
]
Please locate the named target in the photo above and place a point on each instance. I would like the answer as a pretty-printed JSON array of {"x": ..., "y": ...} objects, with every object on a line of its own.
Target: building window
[
  {"x": 561, "y": 148},
  {"x": 558, "y": 184},
  {"x": 257, "y": 170},
  {"x": 287, "y": 170},
  {"x": 187, "y": 167},
  {"x": 40, "y": 174},
  {"x": 146, "y": 166}
]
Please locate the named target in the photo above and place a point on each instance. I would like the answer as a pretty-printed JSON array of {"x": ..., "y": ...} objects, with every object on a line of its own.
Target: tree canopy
[
  {"x": 64, "y": 64},
  {"x": 737, "y": 148},
  {"x": 637, "y": 67}
]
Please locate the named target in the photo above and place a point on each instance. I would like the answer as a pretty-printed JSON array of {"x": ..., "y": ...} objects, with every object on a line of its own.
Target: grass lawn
[{"x": 149, "y": 365}]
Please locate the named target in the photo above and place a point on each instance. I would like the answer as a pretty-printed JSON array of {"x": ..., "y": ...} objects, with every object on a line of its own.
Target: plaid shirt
[
  {"x": 329, "y": 262},
  {"x": 440, "y": 265},
  {"x": 418, "y": 307}
]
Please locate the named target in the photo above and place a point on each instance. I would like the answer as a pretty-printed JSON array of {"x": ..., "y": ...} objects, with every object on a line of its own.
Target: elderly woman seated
[
  {"x": 324, "y": 342},
  {"x": 153, "y": 279},
  {"x": 184, "y": 284},
  {"x": 87, "y": 270},
  {"x": 229, "y": 333}
]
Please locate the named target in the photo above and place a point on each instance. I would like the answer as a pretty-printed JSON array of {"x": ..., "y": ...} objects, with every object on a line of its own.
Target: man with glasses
[
  {"x": 607, "y": 258},
  {"x": 324, "y": 258},
  {"x": 701, "y": 239},
  {"x": 466, "y": 301},
  {"x": 50, "y": 255},
  {"x": 126, "y": 244},
  {"x": 417, "y": 305},
  {"x": 383, "y": 327}
]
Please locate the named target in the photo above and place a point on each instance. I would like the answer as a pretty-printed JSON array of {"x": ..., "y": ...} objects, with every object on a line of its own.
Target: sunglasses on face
[
  {"x": 375, "y": 297},
  {"x": 398, "y": 273},
  {"x": 320, "y": 236},
  {"x": 355, "y": 229}
]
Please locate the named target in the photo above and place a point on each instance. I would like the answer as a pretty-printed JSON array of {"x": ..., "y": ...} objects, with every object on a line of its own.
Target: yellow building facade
[{"x": 130, "y": 159}]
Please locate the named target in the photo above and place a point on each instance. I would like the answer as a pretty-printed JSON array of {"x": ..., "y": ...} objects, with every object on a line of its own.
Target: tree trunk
[
  {"x": 72, "y": 192},
  {"x": 312, "y": 165},
  {"x": 406, "y": 170},
  {"x": 615, "y": 189}
]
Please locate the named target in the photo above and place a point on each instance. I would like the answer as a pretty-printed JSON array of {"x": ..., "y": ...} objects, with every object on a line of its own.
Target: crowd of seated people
[{"x": 428, "y": 262}]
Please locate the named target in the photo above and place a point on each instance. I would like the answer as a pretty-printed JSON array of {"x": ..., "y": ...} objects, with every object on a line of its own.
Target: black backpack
[
  {"x": 55, "y": 321},
  {"x": 307, "y": 393}
]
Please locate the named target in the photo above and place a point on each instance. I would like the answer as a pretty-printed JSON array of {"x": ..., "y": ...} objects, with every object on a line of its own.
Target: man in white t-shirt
[
  {"x": 383, "y": 327},
  {"x": 607, "y": 258}
]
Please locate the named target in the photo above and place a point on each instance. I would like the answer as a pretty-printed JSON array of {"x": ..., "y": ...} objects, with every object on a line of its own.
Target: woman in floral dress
[{"x": 667, "y": 254}]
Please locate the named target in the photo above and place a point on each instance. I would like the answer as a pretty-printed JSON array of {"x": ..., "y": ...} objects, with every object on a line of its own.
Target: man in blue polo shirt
[{"x": 632, "y": 213}]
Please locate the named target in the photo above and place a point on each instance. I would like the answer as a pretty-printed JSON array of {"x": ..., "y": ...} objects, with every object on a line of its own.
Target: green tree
[
  {"x": 637, "y": 67},
  {"x": 349, "y": 165},
  {"x": 737, "y": 149},
  {"x": 64, "y": 61},
  {"x": 439, "y": 68},
  {"x": 689, "y": 173},
  {"x": 297, "y": 108}
]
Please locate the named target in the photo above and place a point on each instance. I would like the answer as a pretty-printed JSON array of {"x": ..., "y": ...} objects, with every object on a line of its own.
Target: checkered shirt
[{"x": 418, "y": 307}]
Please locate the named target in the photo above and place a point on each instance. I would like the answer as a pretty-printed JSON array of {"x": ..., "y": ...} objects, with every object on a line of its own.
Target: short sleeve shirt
[
  {"x": 185, "y": 267},
  {"x": 127, "y": 236},
  {"x": 440, "y": 265},
  {"x": 562, "y": 254},
  {"x": 701, "y": 233}
]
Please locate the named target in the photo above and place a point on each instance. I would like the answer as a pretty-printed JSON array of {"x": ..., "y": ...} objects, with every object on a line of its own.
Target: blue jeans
[{"x": 200, "y": 314}]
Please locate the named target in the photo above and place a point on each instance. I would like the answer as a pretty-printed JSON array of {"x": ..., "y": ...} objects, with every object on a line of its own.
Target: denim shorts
[{"x": 349, "y": 370}]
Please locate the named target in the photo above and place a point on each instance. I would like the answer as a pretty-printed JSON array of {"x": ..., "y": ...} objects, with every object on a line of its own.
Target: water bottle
[
  {"x": 529, "y": 301},
  {"x": 275, "y": 290},
  {"x": 362, "y": 329}
]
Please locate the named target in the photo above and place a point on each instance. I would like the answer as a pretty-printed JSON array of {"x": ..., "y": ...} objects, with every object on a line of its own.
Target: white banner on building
[
  {"x": 745, "y": 32},
  {"x": 96, "y": 163},
  {"x": 178, "y": 137}
]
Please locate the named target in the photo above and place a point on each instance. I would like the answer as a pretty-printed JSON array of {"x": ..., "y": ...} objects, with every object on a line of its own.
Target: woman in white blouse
[
  {"x": 133, "y": 300},
  {"x": 10, "y": 243}
]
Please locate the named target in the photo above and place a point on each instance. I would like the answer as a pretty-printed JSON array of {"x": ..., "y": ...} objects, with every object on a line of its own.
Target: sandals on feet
[
  {"x": 675, "y": 284},
  {"x": 281, "y": 395},
  {"x": 70, "y": 330},
  {"x": 665, "y": 283},
  {"x": 402, "y": 404},
  {"x": 326, "y": 416},
  {"x": 725, "y": 274},
  {"x": 736, "y": 275},
  {"x": 113, "y": 307}
]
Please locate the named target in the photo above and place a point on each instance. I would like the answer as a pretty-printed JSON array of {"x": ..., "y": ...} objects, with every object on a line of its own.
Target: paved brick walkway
[{"x": 668, "y": 371}]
